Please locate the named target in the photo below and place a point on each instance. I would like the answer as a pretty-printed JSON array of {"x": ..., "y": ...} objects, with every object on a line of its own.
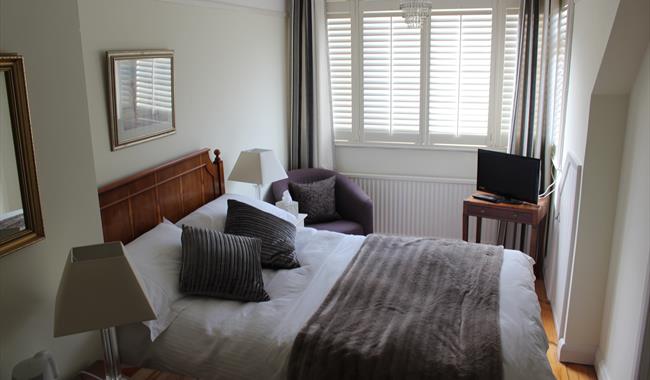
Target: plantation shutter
[
  {"x": 391, "y": 79},
  {"x": 559, "y": 40},
  {"x": 460, "y": 68},
  {"x": 339, "y": 35},
  {"x": 509, "y": 71}
]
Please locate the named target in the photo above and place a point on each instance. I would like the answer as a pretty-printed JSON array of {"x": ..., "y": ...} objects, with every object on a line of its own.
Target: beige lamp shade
[
  {"x": 258, "y": 166},
  {"x": 99, "y": 289}
]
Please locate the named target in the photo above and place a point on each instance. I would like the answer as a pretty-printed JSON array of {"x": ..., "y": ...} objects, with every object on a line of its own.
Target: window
[{"x": 449, "y": 84}]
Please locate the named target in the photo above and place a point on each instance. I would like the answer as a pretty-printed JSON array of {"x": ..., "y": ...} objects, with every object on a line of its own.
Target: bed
[{"x": 219, "y": 339}]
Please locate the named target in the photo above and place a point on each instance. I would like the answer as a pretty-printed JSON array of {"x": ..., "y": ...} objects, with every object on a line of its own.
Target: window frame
[{"x": 424, "y": 139}]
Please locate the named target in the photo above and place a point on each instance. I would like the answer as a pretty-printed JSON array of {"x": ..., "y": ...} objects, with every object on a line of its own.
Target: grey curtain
[
  {"x": 529, "y": 132},
  {"x": 311, "y": 137}
]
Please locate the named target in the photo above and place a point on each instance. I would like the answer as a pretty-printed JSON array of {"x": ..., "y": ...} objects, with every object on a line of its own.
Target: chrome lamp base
[{"x": 111, "y": 354}]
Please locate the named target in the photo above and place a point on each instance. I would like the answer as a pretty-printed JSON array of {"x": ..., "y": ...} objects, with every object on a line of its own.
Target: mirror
[
  {"x": 21, "y": 222},
  {"x": 141, "y": 96}
]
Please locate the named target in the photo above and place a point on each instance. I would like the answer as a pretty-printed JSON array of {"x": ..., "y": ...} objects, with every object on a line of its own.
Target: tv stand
[{"x": 524, "y": 213}]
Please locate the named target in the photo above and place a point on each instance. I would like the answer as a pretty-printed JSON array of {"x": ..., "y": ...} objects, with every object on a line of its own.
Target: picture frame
[{"x": 141, "y": 96}]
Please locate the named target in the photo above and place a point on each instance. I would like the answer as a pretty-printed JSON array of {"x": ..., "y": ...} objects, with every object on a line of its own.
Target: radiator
[{"x": 421, "y": 206}]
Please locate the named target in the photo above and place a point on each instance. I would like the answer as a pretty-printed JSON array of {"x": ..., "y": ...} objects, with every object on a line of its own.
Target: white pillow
[
  {"x": 212, "y": 215},
  {"x": 156, "y": 256}
]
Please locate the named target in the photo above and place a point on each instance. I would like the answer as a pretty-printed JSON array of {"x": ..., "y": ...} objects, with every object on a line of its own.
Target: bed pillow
[
  {"x": 156, "y": 257},
  {"x": 316, "y": 199},
  {"x": 219, "y": 265},
  {"x": 212, "y": 215},
  {"x": 278, "y": 236}
]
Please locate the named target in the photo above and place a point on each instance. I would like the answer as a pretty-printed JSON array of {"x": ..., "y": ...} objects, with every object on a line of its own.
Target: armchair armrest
[{"x": 352, "y": 203}]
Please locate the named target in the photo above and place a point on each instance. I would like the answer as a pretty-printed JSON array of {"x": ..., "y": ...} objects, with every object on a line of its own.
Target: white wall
[
  {"x": 629, "y": 269},
  {"x": 592, "y": 23},
  {"x": 230, "y": 78},
  {"x": 581, "y": 333},
  {"x": 46, "y": 33},
  {"x": 417, "y": 162},
  {"x": 591, "y": 27},
  {"x": 609, "y": 36}
]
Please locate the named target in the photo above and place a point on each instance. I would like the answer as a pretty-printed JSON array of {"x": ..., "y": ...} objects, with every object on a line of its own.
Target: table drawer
[{"x": 501, "y": 214}]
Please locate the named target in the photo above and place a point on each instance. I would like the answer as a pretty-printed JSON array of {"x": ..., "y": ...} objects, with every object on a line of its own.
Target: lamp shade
[
  {"x": 258, "y": 166},
  {"x": 99, "y": 289}
]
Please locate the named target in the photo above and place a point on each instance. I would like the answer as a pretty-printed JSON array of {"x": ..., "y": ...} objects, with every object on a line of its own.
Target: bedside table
[
  {"x": 300, "y": 222},
  {"x": 133, "y": 373},
  {"x": 525, "y": 213}
]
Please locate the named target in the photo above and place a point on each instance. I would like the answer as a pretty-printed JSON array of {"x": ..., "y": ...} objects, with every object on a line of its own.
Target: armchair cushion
[{"x": 316, "y": 199}]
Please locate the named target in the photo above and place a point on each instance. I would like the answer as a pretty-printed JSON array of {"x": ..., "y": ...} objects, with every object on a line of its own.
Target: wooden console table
[{"x": 526, "y": 213}]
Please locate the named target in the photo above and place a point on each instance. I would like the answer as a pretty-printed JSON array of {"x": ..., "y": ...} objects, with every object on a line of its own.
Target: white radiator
[{"x": 421, "y": 206}]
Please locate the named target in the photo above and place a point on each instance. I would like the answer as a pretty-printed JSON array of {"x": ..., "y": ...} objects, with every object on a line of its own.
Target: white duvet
[{"x": 218, "y": 339}]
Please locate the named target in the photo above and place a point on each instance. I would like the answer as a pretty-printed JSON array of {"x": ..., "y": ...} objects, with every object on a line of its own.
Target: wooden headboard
[{"x": 135, "y": 204}]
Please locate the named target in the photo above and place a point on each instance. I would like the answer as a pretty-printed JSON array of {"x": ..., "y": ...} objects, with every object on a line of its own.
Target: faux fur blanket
[{"x": 407, "y": 308}]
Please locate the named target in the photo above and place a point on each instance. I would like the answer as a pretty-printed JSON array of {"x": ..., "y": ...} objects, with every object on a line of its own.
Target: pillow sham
[
  {"x": 316, "y": 199},
  {"x": 277, "y": 235},
  {"x": 212, "y": 215},
  {"x": 219, "y": 265},
  {"x": 155, "y": 256}
]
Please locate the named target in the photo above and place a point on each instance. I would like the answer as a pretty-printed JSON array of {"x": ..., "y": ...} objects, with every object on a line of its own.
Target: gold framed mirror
[{"x": 21, "y": 222}]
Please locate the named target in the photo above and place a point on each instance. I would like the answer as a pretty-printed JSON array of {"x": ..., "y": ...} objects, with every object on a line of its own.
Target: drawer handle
[
  {"x": 482, "y": 211},
  {"x": 515, "y": 215}
]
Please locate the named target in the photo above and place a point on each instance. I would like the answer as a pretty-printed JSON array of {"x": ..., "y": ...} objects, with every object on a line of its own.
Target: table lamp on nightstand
[
  {"x": 259, "y": 167},
  {"x": 98, "y": 291}
]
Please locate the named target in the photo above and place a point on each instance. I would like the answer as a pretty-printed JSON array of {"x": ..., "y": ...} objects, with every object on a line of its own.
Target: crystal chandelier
[{"x": 415, "y": 12}]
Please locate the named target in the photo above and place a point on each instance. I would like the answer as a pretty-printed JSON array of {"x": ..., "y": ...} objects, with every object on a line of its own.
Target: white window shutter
[
  {"x": 460, "y": 69},
  {"x": 339, "y": 35},
  {"x": 509, "y": 71},
  {"x": 440, "y": 85},
  {"x": 559, "y": 36},
  {"x": 391, "y": 79}
]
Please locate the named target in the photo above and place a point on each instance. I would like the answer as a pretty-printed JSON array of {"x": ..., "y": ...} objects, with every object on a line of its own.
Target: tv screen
[{"x": 508, "y": 175}]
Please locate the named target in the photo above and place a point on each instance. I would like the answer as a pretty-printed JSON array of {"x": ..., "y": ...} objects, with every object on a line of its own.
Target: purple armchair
[{"x": 354, "y": 206}]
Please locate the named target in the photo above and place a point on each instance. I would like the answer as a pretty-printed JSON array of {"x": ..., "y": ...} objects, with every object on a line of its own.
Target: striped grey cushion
[
  {"x": 278, "y": 236},
  {"x": 221, "y": 265}
]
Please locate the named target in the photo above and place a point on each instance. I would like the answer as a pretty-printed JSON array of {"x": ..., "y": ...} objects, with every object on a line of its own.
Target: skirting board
[
  {"x": 578, "y": 354},
  {"x": 601, "y": 368}
]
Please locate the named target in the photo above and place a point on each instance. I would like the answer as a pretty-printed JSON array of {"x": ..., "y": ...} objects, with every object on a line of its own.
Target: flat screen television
[{"x": 508, "y": 175}]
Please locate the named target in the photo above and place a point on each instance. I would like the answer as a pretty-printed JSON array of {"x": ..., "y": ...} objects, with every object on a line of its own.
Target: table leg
[
  {"x": 465, "y": 225},
  {"x": 478, "y": 228},
  {"x": 533, "y": 241}
]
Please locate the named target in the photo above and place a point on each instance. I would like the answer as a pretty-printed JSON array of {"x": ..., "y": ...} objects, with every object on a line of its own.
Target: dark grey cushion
[
  {"x": 277, "y": 235},
  {"x": 316, "y": 199},
  {"x": 220, "y": 265}
]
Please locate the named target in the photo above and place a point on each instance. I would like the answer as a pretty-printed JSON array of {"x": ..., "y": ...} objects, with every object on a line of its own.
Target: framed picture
[{"x": 141, "y": 96}]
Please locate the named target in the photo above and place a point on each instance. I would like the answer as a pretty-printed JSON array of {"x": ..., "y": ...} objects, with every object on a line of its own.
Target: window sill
[{"x": 453, "y": 148}]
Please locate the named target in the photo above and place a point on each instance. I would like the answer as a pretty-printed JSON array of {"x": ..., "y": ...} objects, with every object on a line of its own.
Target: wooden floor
[{"x": 560, "y": 370}]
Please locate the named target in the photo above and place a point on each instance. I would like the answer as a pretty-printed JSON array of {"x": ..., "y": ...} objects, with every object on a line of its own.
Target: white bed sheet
[{"x": 219, "y": 339}]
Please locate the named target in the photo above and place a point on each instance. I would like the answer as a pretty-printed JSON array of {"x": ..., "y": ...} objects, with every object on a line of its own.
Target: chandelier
[{"x": 415, "y": 12}]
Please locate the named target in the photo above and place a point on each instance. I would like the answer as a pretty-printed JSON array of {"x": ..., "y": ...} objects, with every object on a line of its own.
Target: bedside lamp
[
  {"x": 99, "y": 290},
  {"x": 259, "y": 167}
]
